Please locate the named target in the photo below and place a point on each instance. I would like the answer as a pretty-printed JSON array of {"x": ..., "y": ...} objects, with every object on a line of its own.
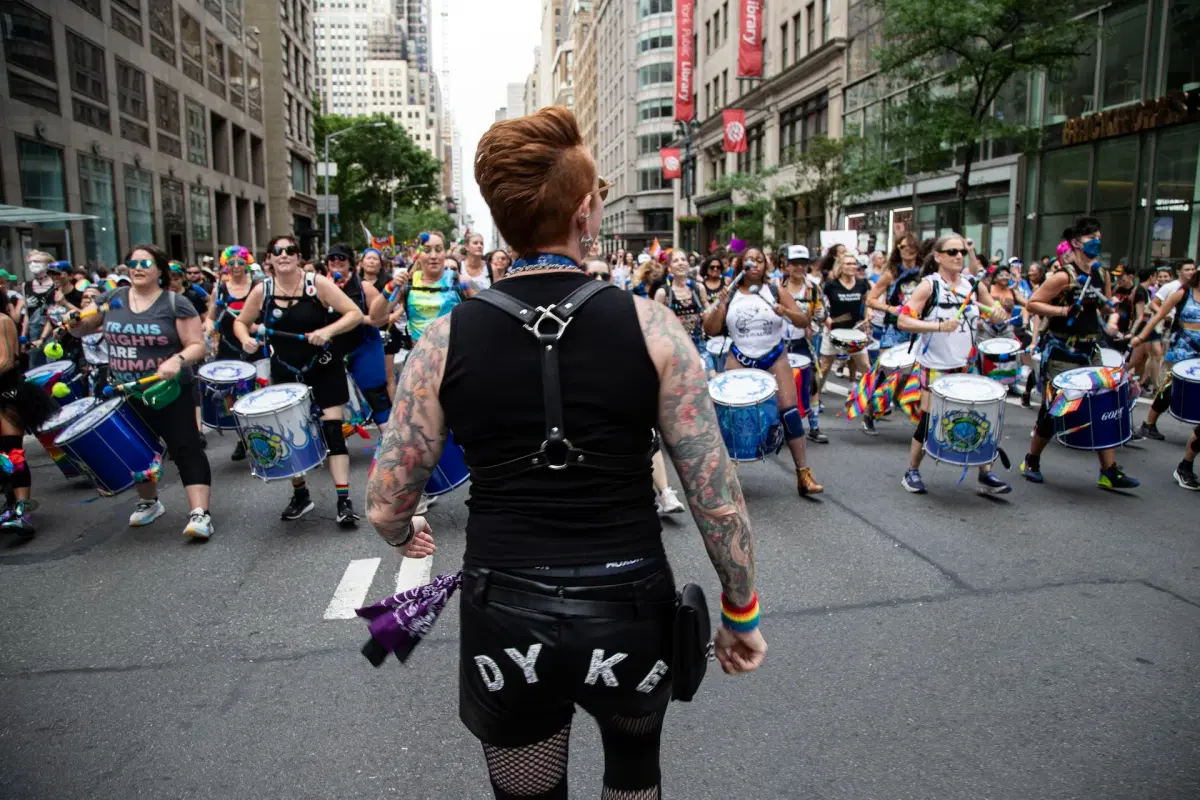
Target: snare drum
[
  {"x": 717, "y": 348},
  {"x": 747, "y": 413},
  {"x": 1185, "y": 391},
  {"x": 802, "y": 373},
  {"x": 1000, "y": 360},
  {"x": 283, "y": 439},
  {"x": 873, "y": 352},
  {"x": 1111, "y": 358},
  {"x": 966, "y": 420},
  {"x": 112, "y": 446},
  {"x": 50, "y": 375},
  {"x": 897, "y": 359},
  {"x": 450, "y": 472},
  {"x": 1103, "y": 418},
  {"x": 848, "y": 341},
  {"x": 52, "y": 427},
  {"x": 223, "y": 383}
]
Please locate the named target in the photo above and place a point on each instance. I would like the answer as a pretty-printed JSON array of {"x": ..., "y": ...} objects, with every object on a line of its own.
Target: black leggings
[{"x": 176, "y": 424}]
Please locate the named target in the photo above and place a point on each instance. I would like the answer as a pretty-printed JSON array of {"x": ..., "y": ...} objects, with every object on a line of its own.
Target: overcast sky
[{"x": 491, "y": 46}]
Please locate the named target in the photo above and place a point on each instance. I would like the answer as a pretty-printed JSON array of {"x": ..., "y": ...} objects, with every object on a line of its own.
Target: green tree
[
  {"x": 371, "y": 162},
  {"x": 974, "y": 50},
  {"x": 750, "y": 208},
  {"x": 411, "y": 221},
  {"x": 824, "y": 182}
]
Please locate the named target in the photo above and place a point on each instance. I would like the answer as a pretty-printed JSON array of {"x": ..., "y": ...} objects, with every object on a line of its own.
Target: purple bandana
[
  {"x": 736, "y": 245},
  {"x": 399, "y": 623}
]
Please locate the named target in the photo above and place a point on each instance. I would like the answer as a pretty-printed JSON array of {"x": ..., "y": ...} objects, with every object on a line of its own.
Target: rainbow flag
[
  {"x": 910, "y": 398},
  {"x": 1066, "y": 402},
  {"x": 858, "y": 401},
  {"x": 885, "y": 393}
]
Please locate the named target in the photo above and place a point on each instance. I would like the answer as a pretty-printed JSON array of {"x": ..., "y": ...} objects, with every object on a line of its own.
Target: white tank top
[
  {"x": 948, "y": 350},
  {"x": 803, "y": 299},
  {"x": 753, "y": 324}
]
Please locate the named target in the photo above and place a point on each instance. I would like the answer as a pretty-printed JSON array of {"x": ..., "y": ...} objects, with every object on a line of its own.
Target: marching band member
[
  {"x": 941, "y": 311},
  {"x": 898, "y": 279},
  {"x": 1069, "y": 301},
  {"x": 846, "y": 300},
  {"x": 153, "y": 331},
  {"x": 293, "y": 301},
  {"x": 1184, "y": 338},
  {"x": 362, "y": 345},
  {"x": 475, "y": 272},
  {"x": 755, "y": 320},
  {"x": 229, "y": 295},
  {"x": 809, "y": 299}
]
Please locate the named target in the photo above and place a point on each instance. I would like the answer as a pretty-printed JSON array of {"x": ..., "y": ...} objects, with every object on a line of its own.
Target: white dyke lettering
[
  {"x": 602, "y": 667},
  {"x": 489, "y": 670},
  {"x": 654, "y": 678},
  {"x": 526, "y": 662}
]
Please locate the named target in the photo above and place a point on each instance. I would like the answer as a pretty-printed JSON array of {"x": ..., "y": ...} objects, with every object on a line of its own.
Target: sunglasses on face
[
  {"x": 600, "y": 275},
  {"x": 336, "y": 258},
  {"x": 953, "y": 253},
  {"x": 288, "y": 249},
  {"x": 194, "y": 272},
  {"x": 139, "y": 263}
]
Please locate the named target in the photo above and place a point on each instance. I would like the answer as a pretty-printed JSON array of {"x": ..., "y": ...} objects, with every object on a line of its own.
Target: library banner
[{"x": 685, "y": 59}]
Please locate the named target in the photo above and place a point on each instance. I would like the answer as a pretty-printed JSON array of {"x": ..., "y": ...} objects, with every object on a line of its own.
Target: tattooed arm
[
  {"x": 688, "y": 423},
  {"x": 414, "y": 438}
]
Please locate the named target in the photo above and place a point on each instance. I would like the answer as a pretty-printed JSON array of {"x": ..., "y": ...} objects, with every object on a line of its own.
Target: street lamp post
[
  {"x": 329, "y": 137},
  {"x": 685, "y": 130}
]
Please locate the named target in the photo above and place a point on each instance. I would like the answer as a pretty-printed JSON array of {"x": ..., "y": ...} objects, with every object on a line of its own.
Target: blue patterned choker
[{"x": 543, "y": 262}]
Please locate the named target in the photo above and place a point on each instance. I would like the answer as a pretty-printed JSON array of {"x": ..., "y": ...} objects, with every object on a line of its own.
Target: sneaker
[
  {"x": 1116, "y": 479},
  {"x": 199, "y": 525},
  {"x": 16, "y": 519},
  {"x": 300, "y": 505},
  {"x": 346, "y": 517},
  {"x": 424, "y": 504},
  {"x": 991, "y": 484},
  {"x": 1134, "y": 436},
  {"x": 1150, "y": 431},
  {"x": 912, "y": 482},
  {"x": 145, "y": 512},
  {"x": 814, "y": 434},
  {"x": 1187, "y": 479},
  {"x": 9, "y": 516},
  {"x": 668, "y": 502},
  {"x": 239, "y": 451},
  {"x": 1025, "y": 401},
  {"x": 1032, "y": 473},
  {"x": 868, "y": 426}
]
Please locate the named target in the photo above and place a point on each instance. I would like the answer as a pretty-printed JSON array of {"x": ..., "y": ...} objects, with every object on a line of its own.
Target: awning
[{"x": 17, "y": 215}]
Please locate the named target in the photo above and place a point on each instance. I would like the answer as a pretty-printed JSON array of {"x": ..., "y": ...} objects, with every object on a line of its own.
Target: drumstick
[
  {"x": 125, "y": 387},
  {"x": 76, "y": 316},
  {"x": 273, "y": 332},
  {"x": 957, "y": 315}
]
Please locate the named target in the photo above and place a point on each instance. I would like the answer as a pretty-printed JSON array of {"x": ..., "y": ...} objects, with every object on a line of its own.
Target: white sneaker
[
  {"x": 668, "y": 502},
  {"x": 424, "y": 505},
  {"x": 146, "y": 512},
  {"x": 199, "y": 525}
]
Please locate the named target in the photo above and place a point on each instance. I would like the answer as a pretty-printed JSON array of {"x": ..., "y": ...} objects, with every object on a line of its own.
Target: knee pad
[
  {"x": 1044, "y": 427},
  {"x": 922, "y": 428},
  {"x": 1162, "y": 400},
  {"x": 793, "y": 424},
  {"x": 335, "y": 442}
]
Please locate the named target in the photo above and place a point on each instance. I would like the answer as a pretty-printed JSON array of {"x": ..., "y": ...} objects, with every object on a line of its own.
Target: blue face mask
[{"x": 1091, "y": 248}]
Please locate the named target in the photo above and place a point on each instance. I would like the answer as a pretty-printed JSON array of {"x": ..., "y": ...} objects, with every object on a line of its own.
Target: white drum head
[
  {"x": 227, "y": 371},
  {"x": 969, "y": 389},
  {"x": 718, "y": 345},
  {"x": 52, "y": 368},
  {"x": 1111, "y": 358},
  {"x": 1079, "y": 380},
  {"x": 848, "y": 336},
  {"x": 69, "y": 413},
  {"x": 797, "y": 361},
  {"x": 897, "y": 357},
  {"x": 89, "y": 419},
  {"x": 741, "y": 387},
  {"x": 999, "y": 347},
  {"x": 1188, "y": 370},
  {"x": 271, "y": 399}
]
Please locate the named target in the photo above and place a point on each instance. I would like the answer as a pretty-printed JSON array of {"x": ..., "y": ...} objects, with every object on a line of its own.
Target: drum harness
[{"x": 323, "y": 355}]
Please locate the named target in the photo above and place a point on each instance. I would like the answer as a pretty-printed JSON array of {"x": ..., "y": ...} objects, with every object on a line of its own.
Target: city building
[
  {"x": 585, "y": 90},
  {"x": 515, "y": 96},
  {"x": 286, "y": 43},
  {"x": 146, "y": 118},
  {"x": 553, "y": 29},
  {"x": 530, "y": 95},
  {"x": 579, "y": 24}
]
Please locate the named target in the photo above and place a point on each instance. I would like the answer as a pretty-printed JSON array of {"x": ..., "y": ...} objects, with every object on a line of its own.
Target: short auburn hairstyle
[{"x": 533, "y": 172}]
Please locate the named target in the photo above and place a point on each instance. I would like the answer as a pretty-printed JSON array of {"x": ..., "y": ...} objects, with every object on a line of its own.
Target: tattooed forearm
[
  {"x": 413, "y": 440},
  {"x": 689, "y": 428}
]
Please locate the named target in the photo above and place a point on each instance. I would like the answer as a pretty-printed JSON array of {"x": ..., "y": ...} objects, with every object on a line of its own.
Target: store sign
[
  {"x": 1171, "y": 109},
  {"x": 750, "y": 41},
  {"x": 685, "y": 108}
]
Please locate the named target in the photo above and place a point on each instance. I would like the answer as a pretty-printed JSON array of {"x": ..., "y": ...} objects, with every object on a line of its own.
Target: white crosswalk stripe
[{"x": 359, "y": 577}]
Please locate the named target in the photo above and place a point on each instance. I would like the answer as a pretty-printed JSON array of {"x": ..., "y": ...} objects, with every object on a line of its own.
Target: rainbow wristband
[{"x": 742, "y": 619}]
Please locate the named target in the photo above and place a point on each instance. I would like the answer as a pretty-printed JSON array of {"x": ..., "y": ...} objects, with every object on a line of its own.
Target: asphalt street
[{"x": 1043, "y": 645}]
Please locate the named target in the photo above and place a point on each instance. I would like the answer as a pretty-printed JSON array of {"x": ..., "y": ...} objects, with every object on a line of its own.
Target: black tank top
[
  {"x": 304, "y": 314},
  {"x": 492, "y": 396},
  {"x": 1087, "y": 324}
]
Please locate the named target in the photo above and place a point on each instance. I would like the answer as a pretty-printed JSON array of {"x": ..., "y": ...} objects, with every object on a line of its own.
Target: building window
[
  {"x": 707, "y": 36},
  {"x": 233, "y": 17},
  {"x": 86, "y": 62},
  {"x": 783, "y": 46},
  {"x": 655, "y": 74},
  {"x": 197, "y": 139},
  {"x": 801, "y": 123},
  {"x": 131, "y": 90},
  {"x": 201, "y": 215},
  {"x": 650, "y": 179},
  {"x": 253, "y": 93},
  {"x": 752, "y": 159},
  {"x": 653, "y": 142},
  {"x": 216, "y": 64},
  {"x": 191, "y": 43},
  {"x": 655, "y": 40},
  {"x": 42, "y": 181},
  {"x": 724, "y": 88},
  {"x": 236, "y": 81},
  {"x": 29, "y": 40},
  {"x": 96, "y": 192},
  {"x": 162, "y": 19},
  {"x": 811, "y": 30},
  {"x": 299, "y": 174},
  {"x": 796, "y": 40},
  {"x": 139, "y": 205},
  {"x": 166, "y": 119},
  {"x": 1181, "y": 68},
  {"x": 825, "y": 23},
  {"x": 658, "y": 221},
  {"x": 725, "y": 22}
]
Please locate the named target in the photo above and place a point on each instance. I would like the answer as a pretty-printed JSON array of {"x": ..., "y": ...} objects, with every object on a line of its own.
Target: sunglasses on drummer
[
  {"x": 286, "y": 249},
  {"x": 953, "y": 252},
  {"x": 139, "y": 263}
]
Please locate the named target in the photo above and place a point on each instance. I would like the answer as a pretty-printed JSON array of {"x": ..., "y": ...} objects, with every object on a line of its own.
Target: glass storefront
[
  {"x": 42, "y": 182},
  {"x": 96, "y": 191}
]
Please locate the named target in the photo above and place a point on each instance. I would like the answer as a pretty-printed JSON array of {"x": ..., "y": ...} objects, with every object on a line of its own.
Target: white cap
[
  {"x": 643, "y": 258},
  {"x": 1014, "y": 262},
  {"x": 798, "y": 252}
]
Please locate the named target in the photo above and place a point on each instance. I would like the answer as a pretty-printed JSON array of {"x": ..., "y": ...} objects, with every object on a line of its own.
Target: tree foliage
[
  {"x": 750, "y": 208},
  {"x": 411, "y": 222},
  {"x": 824, "y": 181}
]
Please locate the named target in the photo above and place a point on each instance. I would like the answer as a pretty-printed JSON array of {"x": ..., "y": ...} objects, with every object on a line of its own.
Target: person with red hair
[{"x": 567, "y": 597}]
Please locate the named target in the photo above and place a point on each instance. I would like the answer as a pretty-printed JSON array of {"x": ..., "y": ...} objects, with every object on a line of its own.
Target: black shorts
[
  {"x": 531, "y": 650},
  {"x": 327, "y": 379}
]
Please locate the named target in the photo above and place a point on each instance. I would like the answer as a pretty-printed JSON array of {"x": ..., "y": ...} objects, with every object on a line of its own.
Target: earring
[
  {"x": 585, "y": 216},
  {"x": 586, "y": 244}
]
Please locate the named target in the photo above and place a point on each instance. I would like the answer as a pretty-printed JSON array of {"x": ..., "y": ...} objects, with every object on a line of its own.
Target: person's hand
[
  {"x": 948, "y": 325},
  {"x": 319, "y": 337},
  {"x": 208, "y": 326},
  {"x": 739, "y": 652},
  {"x": 779, "y": 309},
  {"x": 1136, "y": 341},
  {"x": 999, "y": 315},
  {"x": 251, "y": 346},
  {"x": 422, "y": 543},
  {"x": 399, "y": 279},
  {"x": 169, "y": 368}
]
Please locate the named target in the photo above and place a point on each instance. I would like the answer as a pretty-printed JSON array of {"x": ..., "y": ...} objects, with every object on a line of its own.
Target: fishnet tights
[
  {"x": 626, "y": 740},
  {"x": 529, "y": 771}
]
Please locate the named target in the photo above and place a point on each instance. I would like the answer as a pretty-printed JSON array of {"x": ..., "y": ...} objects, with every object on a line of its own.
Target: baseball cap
[
  {"x": 643, "y": 258},
  {"x": 1014, "y": 262},
  {"x": 798, "y": 252},
  {"x": 340, "y": 251}
]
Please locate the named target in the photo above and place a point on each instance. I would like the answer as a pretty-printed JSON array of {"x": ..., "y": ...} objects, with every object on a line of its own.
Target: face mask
[
  {"x": 37, "y": 269},
  {"x": 1091, "y": 248}
]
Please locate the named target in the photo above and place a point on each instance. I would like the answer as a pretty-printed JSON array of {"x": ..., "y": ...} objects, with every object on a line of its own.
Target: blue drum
[
  {"x": 223, "y": 383},
  {"x": 1103, "y": 418},
  {"x": 56, "y": 373},
  {"x": 450, "y": 472},
  {"x": 282, "y": 436},
  {"x": 1185, "y": 391},
  {"x": 52, "y": 427},
  {"x": 966, "y": 420},
  {"x": 113, "y": 447},
  {"x": 715, "y": 350},
  {"x": 747, "y": 413}
]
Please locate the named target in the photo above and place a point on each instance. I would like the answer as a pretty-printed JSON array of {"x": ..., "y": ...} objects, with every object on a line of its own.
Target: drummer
[
  {"x": 846, "y": 299},
  {"x": 897, "y": 280},
  {"x": 362, "y": 346},
  {"x": 229, "y": 295},
  {"x": 755, "y": 321},
  {"x": 809, "y": 299},
  {"x": 936, "y": 312},
  {"x": 152, "y": 331},
  {"x": 1070, "y": 300},
  {"x": 296, "y": 302},
  {"x": 1184, "y": 341}
]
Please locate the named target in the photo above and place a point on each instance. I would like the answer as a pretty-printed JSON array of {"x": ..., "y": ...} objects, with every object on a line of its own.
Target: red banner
[
  {"x": 670, "y": 162},
  {"x": 750, "y": 41},
  {"x": 685, "y": 59},
  {"x": 734, "y": 120}
]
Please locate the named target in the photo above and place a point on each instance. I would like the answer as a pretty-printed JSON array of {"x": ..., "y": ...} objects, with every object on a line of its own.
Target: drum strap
[{"x": 548, "y": 326}]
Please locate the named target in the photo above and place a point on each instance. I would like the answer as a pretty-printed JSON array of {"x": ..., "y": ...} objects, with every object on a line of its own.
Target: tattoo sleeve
[
  {"x": 413, "y": 440},
  {"x": 688, "y": 423}
]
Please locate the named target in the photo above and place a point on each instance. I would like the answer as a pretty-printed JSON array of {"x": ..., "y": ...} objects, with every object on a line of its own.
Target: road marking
[
  {"x": 413, "y": 572},
  {"x": 352, "y": 591}
]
